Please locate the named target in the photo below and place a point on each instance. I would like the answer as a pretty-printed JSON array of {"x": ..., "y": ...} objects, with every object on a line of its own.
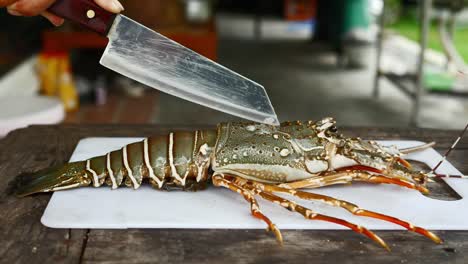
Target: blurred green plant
[
  {"x": 407, "y": 25},
  {"x": 392, "y": 11}
]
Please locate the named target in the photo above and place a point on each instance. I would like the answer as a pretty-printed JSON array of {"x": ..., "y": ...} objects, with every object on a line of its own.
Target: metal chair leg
[
  {"x": 379, "y": 54},
  {"x": 425, "y": 9}
]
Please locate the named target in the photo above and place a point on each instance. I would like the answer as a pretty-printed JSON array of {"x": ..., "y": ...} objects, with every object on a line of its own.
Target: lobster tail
[
  {"x": 64, "y": 177},
  {"x": 179, "y": 159}
]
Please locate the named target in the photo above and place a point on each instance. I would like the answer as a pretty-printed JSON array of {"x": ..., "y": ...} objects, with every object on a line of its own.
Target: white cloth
[{"x": 20, "y": 112}]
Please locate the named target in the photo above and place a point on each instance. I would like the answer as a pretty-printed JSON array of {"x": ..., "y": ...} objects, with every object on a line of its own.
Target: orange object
[
  {"x": 47, "y": 68},
  {"x": 300, "y": 10},
  {"x": 66, "y": 87},
  {"x": 55, "y": 75}
]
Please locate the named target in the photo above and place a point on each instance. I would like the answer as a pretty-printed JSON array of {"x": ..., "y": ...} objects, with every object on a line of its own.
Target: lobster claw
[{"x": 52, "y": 179}]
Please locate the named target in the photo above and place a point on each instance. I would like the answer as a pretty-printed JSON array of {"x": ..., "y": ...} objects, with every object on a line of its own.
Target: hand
[{"x": 39, "y": 7}]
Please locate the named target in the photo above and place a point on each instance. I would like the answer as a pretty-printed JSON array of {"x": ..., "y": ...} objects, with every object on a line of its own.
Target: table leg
[
  {"x": 379, "y": 53},
  {"x": 425, "y": 8}
]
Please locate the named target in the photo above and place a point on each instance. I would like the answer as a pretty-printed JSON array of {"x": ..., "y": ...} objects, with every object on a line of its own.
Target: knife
[{"x": 148, "y": 57}]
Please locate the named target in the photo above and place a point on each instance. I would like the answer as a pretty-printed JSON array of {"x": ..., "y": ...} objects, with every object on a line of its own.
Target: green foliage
[
  {"x": 408, "y": 26},
  {"x": 392, "y": 11}
]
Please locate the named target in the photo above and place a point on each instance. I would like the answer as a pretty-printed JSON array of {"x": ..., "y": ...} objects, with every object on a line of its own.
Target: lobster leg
[
  {"x": 352, "y": 208},
  {"x": 309, "y": 214},
  {"x": 219, "y": 180},
  {"x": 382, "y": 179},
  {"x": 348, "y": 177},
  {"x": 417, "y": 148}
]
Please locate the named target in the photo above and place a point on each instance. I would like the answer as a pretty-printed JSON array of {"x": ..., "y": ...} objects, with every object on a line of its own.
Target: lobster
[{"x": 252, "y": 159}]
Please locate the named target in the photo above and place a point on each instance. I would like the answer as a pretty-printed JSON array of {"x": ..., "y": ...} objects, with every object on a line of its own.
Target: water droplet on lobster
[
  {"x": 251, "y": 128},
  {"x": 284, "y": 152}
]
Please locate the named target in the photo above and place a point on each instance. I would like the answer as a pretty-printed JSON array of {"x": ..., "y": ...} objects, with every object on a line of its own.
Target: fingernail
[
  {"x": 118, "y": 6},
  {"x": 58, "y": 22},
  {"x": 13, "y": 12}
]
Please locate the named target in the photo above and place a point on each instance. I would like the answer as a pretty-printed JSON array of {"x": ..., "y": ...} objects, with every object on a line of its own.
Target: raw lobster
[{"x": 251, "y": 159}]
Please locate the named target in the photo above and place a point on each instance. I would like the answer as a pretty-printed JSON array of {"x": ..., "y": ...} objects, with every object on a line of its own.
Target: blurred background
[{"x": 392, "y": 63}]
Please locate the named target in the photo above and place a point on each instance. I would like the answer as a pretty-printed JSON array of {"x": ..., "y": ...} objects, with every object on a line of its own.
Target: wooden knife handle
[{"x": 84, "y": 12}]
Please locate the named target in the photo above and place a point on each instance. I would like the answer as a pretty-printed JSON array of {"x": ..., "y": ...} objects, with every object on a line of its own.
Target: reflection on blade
[{"x": 152, "y": 59}]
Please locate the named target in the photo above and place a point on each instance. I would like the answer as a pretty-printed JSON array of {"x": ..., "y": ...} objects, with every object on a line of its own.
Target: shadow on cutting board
[{"x": 438, "y": 188}]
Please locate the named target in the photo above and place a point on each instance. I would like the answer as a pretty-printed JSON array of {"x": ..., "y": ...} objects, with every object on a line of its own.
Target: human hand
[{"x": 39, "y": 7}]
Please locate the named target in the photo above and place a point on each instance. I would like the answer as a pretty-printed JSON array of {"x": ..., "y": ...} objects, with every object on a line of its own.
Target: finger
[
  {"x": 56, "y": 20},
  {"x": 113, "y": 6},
  {"x": 30, "y": 8},
  {"x": 13, "y": 12},
  {"x": 4, "y": 3}
]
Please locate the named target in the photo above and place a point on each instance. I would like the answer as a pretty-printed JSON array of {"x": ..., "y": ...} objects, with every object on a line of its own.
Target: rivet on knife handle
[{"x": 84, "y": 12}]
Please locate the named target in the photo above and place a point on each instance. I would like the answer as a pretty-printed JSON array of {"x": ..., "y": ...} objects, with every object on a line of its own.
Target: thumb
[
  {"x": 56, "y": 20},
  {"x": 113, "y": 6}
]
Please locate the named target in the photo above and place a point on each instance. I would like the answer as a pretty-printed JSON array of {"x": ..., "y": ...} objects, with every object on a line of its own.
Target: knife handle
[{"x": 84, "y": 12}]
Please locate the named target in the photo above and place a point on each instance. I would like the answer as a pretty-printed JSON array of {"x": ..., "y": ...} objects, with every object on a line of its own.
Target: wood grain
[{"x": 25, "y": 240}]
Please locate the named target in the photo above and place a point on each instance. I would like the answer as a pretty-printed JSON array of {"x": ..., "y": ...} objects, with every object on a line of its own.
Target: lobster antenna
[{"x": 444, "y": 158}]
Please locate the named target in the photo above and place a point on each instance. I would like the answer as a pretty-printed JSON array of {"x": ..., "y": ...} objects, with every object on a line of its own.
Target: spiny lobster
[{"x": 253, "y": 160}]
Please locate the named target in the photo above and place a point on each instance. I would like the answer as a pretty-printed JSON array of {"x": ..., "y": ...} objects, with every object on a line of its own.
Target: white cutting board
[{"x": 223, "y": 209}]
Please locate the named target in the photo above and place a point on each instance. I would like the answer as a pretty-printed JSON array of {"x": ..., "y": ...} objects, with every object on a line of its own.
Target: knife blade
[{"x": 148, "y": 57}]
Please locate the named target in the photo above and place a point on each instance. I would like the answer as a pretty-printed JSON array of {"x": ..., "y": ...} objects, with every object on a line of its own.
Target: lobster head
[{"x": 300, "y": 150}]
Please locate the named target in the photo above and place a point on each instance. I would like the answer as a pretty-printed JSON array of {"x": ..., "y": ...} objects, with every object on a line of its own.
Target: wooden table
[{"x": 24, "y": 239}]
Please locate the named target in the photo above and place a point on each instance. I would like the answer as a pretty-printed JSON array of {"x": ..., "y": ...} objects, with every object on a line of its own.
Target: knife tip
[{"x": 272, "y": 121}]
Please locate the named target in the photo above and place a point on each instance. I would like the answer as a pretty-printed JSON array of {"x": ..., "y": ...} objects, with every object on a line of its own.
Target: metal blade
[{"x": 154, "y": 60}]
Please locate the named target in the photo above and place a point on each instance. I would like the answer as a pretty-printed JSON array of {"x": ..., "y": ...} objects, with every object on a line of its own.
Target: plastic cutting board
[{"x": 222, "y": 209}]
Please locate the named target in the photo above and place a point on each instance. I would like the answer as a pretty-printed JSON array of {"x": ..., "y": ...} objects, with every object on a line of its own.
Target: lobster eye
[{"x": 333, "y": 129}]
